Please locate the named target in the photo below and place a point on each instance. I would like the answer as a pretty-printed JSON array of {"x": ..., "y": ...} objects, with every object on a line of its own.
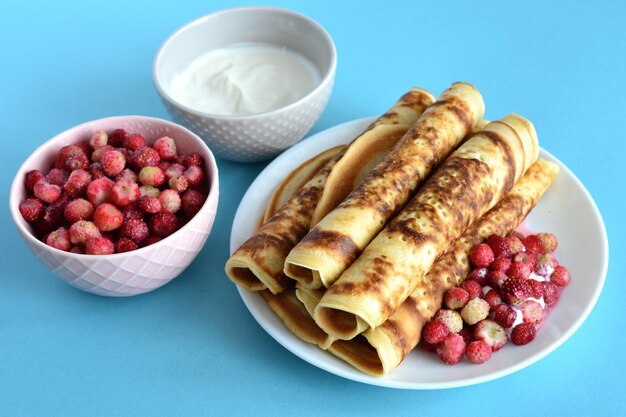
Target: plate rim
[{"x": 283, "y": 337}]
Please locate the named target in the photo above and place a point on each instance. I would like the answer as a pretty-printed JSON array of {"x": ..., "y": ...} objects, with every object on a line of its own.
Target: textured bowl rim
[
  {"x": 24, "y": 167},
  {"x": 326, "y": 79}
]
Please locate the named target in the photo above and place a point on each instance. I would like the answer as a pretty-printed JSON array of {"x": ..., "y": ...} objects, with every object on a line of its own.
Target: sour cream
[{"x": 244, "y": 79}]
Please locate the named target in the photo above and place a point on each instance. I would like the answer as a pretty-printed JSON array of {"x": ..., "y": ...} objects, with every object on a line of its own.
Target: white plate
[{"x": 566, "y": 210}]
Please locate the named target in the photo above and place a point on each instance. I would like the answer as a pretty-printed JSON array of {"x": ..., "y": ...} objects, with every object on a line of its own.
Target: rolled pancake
[
  {"x": 310, "y": 299},
  {"x": 385, "y": 347},
  {"x": 333, "y": 244},
  {"x": 467, "y": 184},
  {"x": 258, "y": 263}
]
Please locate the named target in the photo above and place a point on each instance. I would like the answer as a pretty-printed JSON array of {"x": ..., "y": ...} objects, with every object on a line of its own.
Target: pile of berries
[
  {"x": 514, "y": 282},
  {"x": 114, "y": 193}
]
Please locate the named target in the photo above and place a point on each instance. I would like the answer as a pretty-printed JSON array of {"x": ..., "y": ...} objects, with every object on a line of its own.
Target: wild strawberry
[
  {"x": 456, "y": 298},
  {"x": 144, "y": 157},
  {"x": 96, "y": 171},
  {"x": 132, "y": 212},
  {"x": 493, "y": 299},
  {"x": 450, "y": 318},
  {"x": 113, "y": 162},
  {"x": 174, "y": 170},
  {"x": 194, "y": 175},
  {"x": 428, "y": 347},
  {"x": 127, "y": 174},
  {"x": 151, "y": 176},
  {"x": 482, "y": 255},
  {"x": 536, "y": 289},
  {"x": 149, "y": 190},
  {"x": 516, "y": 234},
  {"x": 166, "y": 147},
  {"x": 515, "y": 290},
  {"x": 467, "y": 333},
  {"x": 545, "y": 264},
  {"x": 478, "y": 352},
  {"x": 32, "y": 177},
  {"x": 435, "y": 332},
  {"x": 548, "y": 241},
  {"x": 135, "y": 230},
  {"x": 99, "y": 246},
  {"x": 170, "y": 200},
  {"x": 52, "y": 216},
  {"x": 97, "y": 154},
  {"x": 504, "y": 315},
  {"x": 452, "y": 349},
  {"x": 528, "y": 258},
  {"x": 561, "y": 276},
  {"x": 518, "y": 270},
  {"x": 78, "y": 160},
  {"x": 531, "y": 312},
  {"x": 78, "y": 209},
  {"x": 523, "y": 333},
  {"x": 164, "y": 165},
  {"x": 163, "y": 223},
  {"x": 193, "y": 159},
  {"x": 473, "y": 288},
  {"x": 500, "y": 264},
  {"x": 533, "y": 244},
  {"x": 149, "y": 204},
  {"x": 550, "y": 293},
  {"x": 125, "y": 244},
  {"x": 46, "y": 192},
  {"x": 499, "y": 246},
  {"x": 192, "y": 201},
  {"x": 82, "y": 231},
  {"x": 99, "y": 191},
  {"x": 99, "y": 139},
  {"x": 59, "y": 239},
  {"x": 77, "y": 183},
  {"x": 496, "y": 278},
  {"x": 133, "y": 142},
  {"x": 64, "y": 153},
  {"x": 178, "y": 183},
  {"x": 514, "y": 245},
  {"x": 475, "y": 310},
  {"x": 491, "y": 333},
  {"x": 124, "y": 192},
  {"x": 108, "y": 217},
  {"x": 31, "y": 209},
  {"x": 57, "y": 176},
  {"x": 479, "y": 274},
  {"x": 116, "y": 138}
]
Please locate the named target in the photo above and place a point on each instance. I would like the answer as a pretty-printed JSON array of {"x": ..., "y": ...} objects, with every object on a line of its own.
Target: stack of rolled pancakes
[{"x": 359, "y": 244}]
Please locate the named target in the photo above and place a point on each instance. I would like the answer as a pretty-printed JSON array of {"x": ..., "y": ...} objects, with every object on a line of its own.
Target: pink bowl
[{"x": 134, "y": 272}]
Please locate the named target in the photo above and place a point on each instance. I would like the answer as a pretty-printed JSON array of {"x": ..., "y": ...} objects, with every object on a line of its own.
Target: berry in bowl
[{"x": 117, "y": 206}]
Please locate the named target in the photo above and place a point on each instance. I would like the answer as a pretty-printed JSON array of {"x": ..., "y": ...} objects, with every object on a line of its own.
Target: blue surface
[{"x": 191, "y": 347}]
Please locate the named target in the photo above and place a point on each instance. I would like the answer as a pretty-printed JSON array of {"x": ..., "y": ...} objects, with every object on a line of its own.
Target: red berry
[
  {"x": 523, "y": 333},
  {"x": 528, "y": 258},
  {"x": 77, "y": 161},
  {"x": 491, "y": 333},
  {"x": 132, "y": 212},
  {"x": 174, "y": 170},
  {"x": 125, "y": 244},
  {"x": 149, "y": 204},
  {"x": 150, "y": 240},
  {"x": 532, "y": 312},
  {"x": 98, "y": 139},
  {"x": 516, "y": 234},
  {"x": 124, "y": 192},
  {"x": 144, "y": 157},
  {"x": 96, "y": 171},
  {"x": 116, "y": 138},
  {"x": 456, "y": 298},
  {"x": 536, "y": 288},
  {"x": 97, "y": 154},
  {"x": 136, "y": 230},
  {"x": 504, "y": 315},
  {"x": 514, "y": 245},
  {"x": 472, "y": 287},
  {"x": 518, "y": 270},
  {"x": 82, "y": 231},
  {"x": 57, "y": 176},
  {"x": 452, "y": 349},
  {"x": 108, "y": 217},
  {"x": 548, "y": 241},
  {"x": 475, "y": 310},
  {"x": 192, "y": 201},
  {"x": 193, "y": 159},
  {"x": 113, "y": 162},
  {"x": 77, "y": 183},
  {"x": 78, "y": 209},
  {"x": 52, "y": 216},
  {"x": 99, "y": 246},
  {"x": 170, "y": 201},
  {"x": 479, "y": 274},
  {"x": 31, "y": 209},
  {"x": 151, "y": 176},
  {"x": 467, "y": 333},
  {"x": 99, "y": 191},
  {"x": 46, "y": 192},
  {"x": 493, "y": 299},
  {"x": 500, "y": 264},
  {"x": 435, "y": 332},
  {"x": 533, "y": 244},
  {"x": 194, "y": 175},
  {"x": 166, "y": 147},
  {"x": 515, "y": 290},
  {"x": 64, "y": 153},
  {"x": 133, "y": 142},
  {"x": 499, "y": 246},
  {"x": 163, "y": 223},
  {"x": 127, "y": 174},
  {"x": 428, "y": 347},
  {"x": 496, "y": 278},
  {"x": 32, "y": 177},
  {"x": 550, "y": 293},
  {"x": 545, "y": 264},
  {"x": 482, "y": 255},
  {"x": 59, "y": 239},
  {"x": 478, "y": 352},
  {"x": 178, "y": 183},
  {"x": 561, "y": 276}
]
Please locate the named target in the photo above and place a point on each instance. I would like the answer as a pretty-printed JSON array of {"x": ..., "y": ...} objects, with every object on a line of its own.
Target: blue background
[{"x": 191, "y": 347}]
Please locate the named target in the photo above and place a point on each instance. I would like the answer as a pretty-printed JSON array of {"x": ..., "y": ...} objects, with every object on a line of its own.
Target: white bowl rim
[
  {"x": 328, "y": 76},
  {"x": 18, "y": 182}
]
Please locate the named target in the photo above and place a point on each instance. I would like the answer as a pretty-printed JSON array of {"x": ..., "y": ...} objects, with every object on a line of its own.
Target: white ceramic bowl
[
  {"x": 251, "y": 137},
  {"x": 137, "y": 271}
]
